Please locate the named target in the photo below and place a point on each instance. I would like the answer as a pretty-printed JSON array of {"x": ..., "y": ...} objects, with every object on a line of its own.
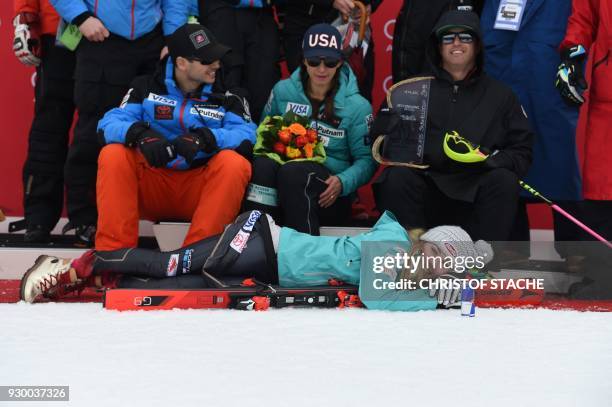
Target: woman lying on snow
[{"x": 274, "y": 255}]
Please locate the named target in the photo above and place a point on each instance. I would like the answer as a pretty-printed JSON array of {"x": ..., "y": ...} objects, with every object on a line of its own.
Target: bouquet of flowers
[{"x": 288, "y": 138}]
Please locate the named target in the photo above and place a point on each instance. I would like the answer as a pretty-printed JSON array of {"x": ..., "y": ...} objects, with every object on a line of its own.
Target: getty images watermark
[{"x": 401, "y": 266}]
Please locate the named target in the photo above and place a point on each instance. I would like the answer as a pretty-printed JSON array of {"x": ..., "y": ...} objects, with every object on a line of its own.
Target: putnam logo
[
  {"x": 208, "y": 113},
  {"x": 160, "y": 99},
  {"x": 297, "y": 108},
  {"x": 327, "y": 131}
]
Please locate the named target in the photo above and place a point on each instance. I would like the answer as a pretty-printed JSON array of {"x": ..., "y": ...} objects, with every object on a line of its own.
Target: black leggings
[
  {"x": 290, "y": 193},
  {"x": 181, "y": 268}
]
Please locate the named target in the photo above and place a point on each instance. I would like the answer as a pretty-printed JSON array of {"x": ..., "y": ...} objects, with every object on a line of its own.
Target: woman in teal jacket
[
  {"x": 303, "y": 195},
  {"x": 270, "y": 257}
]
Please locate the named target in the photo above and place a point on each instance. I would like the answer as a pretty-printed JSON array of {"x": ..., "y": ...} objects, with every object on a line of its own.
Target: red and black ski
[{"x": 244, "y": 298}]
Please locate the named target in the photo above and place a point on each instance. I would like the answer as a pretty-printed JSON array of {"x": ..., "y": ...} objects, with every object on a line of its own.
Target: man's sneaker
[{"x": 47, "y": 273}]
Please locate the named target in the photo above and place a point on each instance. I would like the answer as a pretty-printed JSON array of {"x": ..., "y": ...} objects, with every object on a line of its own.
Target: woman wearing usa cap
[{"x": 303, "y": 195}]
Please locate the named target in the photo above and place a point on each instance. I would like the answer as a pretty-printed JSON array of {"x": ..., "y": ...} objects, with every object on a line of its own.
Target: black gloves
[
  {"x": 386, "y": 122},
  {"x": 189, "y": 144},
  {"x": 570, "y": 75},
  {"x": 156, "y": 149}
]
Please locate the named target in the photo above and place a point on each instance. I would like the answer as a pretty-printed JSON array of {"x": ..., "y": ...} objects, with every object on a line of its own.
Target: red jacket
[
  {"x": 591, "y": 25},
  {"x": 47, "y": 14}
]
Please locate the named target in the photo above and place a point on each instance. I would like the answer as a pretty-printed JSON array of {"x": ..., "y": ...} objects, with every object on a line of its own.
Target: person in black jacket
[
  {"x": 481, "y": 197},
  {"x": 412, "y": 27},
  {"x": 248, "y": 27}
]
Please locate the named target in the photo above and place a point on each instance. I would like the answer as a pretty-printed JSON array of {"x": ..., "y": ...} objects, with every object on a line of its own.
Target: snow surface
[{"x": 308, "y": 357}]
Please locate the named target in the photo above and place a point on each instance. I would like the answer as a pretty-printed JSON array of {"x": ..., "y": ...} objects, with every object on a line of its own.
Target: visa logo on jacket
[
  {"x": 297, "y": 108},
  {"x": 160, "y": 99}
]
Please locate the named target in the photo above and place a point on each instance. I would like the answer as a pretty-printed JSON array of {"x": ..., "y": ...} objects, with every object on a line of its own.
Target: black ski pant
[
  {"x": 417, "y": 202},
  {"x": 104, "y": 71},
  {"x": 43, "y": 175},
  {"x": 261, "y": 53},
  {"x": 181, "y": 268},
  {"x": 292, "y": 44},
  {"x": 290, "y": 194},
  {"x": 253, "y": 35},
  {"x": 219, "y": 16}
]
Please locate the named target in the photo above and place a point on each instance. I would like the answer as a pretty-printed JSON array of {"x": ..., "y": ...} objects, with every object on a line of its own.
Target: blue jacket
[
  {"x": 326, "y": 257},
  {"x": 130, "y": 19},
  {"x": 347, "y": 155},
  {"x": 254, "y": 3},
  {"x": 158, "y": 101},
  {"x": 527, "y": 61}
]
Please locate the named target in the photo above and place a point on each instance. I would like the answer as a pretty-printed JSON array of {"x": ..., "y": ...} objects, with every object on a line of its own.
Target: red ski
[{"x": 244, "y": 298}]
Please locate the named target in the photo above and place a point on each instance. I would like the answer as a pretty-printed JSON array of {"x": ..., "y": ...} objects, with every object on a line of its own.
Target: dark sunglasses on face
[
  {"x": 465, "y": 38},
  {"x": 328, "y": 61},
  {"x": 200, "y": 61}
]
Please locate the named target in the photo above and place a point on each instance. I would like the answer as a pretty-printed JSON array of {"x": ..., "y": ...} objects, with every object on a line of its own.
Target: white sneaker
[{"x": 44, "y": 275}]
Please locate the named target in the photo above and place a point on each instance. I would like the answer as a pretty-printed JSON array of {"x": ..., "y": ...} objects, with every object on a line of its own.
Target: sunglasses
[
  {"x": 328, "y": 61},
  {"x": 200, "y": 61},
  {"x": 465, "y": 38}
]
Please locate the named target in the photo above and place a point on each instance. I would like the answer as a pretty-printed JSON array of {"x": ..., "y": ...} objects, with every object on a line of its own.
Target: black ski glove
[
  {"x": 189, "y": 144},
  {"x": 385, "y": 123},
  {"x": 208, "y": 141},
  {"x": 570, "y": 75},
  {"x": 156, "y": 149}
]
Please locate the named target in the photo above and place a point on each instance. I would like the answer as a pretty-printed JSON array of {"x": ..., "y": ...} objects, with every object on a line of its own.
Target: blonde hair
[{"x": 421, "y": 273}]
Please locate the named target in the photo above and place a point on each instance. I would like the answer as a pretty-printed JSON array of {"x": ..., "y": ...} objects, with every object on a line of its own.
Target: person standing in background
[
  {"x": 34, "y": 45},
  {"x": 589, "y": 32},
  {"x": 522, "y": 52},
  {"x": 250, "y": 29}
]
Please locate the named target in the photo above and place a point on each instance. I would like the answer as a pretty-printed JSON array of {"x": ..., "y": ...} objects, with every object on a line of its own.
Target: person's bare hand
[
  {"x": 163, "y": 52},
  {"x": 331, "y": 193},
  {"x": 344, "y": 6},
  {"x": 94, "y": 30}
]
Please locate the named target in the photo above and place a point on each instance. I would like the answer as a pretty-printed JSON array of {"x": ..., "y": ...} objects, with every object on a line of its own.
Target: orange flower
[
  {"x": 309, "y": 150},
  {"x": 297, "y": 129},
  {"x": 284, "y": 136}
]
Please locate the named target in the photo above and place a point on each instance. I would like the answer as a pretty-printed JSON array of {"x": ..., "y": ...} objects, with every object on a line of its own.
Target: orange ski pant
[{"x": 129, "y": 189}]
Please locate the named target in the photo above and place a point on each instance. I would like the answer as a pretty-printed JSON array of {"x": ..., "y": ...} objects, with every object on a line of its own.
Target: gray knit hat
[{"x": 454, "y": 241}]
